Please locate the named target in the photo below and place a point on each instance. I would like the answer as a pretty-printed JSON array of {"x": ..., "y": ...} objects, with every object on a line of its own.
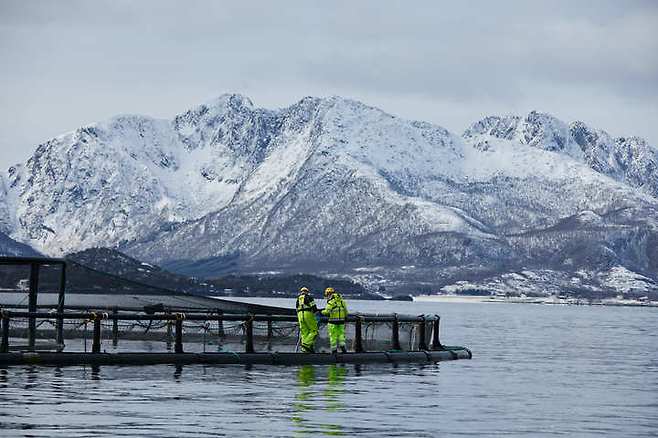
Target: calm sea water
[{"x": 536, "y": 371}]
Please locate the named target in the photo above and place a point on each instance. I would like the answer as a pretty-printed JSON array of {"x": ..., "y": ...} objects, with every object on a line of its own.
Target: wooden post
[
  {"x": 422, "y": 343},
  {"x": 59, "y": 335},
  {"x": 358, "y": 336},
  {"x": 4, "y": 345},
  {"x": 178, "y": 346},
  {"x": 96, "y": 343},
  {"x": 436, "y": 343},
  {"x": 270, "y": 330},
  {"x": 115, "y": 326},
  {"x": 249, "y": 332},
  {"x": 32, "y": 305},
  {"x": 395, "y": 339}
]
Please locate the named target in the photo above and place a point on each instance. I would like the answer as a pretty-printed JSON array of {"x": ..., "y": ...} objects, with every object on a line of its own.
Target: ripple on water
[{"x": 537, "y": 371}]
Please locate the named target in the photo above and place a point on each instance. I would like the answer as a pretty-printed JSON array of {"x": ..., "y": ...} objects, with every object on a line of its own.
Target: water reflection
[
  {"x": 334, "y": 392},
  {"x": 312, "y": 396},
  {"x": 95, "y": 372},
  {"x": 178, "y": 372},
  {"x": 304, "y": 395},
  {"x": 335, "y": 387},
  {"x": 518, "y": 389},
  {"x": 31, "y": 377}
]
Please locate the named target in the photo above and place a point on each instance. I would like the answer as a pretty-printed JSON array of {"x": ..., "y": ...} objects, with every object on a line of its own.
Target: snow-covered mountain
[
  {"x": 626, "y": 159},
  {"x": 9, "y": 247},
  {"x": 331, "y": 185}
]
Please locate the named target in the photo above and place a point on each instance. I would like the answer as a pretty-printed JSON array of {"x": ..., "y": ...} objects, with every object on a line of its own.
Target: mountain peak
[
  {"x": 545, "y": 131},
  {"x": 213, "y": 108},
  {"x": 229, "y": 100},
  {"x": 536, "y": 129},
  {"x": 503, "y": 126},
  {"x": 630, "y": 160},
  {"x": 324, "y": 180}
]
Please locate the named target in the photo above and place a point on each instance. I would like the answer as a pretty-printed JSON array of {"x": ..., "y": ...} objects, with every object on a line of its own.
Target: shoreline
[
  {"x": 469, "y": 299},
  {"x": 532, "y": 300}
]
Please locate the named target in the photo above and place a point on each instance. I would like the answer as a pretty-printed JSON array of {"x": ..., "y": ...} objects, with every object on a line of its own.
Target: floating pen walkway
[
  {"x": 388, "y": 338},
  {"x": 63, "y": 359},
  {"x": 424, "y": 327}
]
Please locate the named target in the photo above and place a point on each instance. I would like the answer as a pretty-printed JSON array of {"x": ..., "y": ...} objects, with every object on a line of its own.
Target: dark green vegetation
[
  {"x": 286, "y": 285},
  {"x": 151, "y": 277}
]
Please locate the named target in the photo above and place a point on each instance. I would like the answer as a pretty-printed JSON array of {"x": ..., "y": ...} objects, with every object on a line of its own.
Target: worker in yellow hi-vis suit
[
  {"x": 308, "y": 325},
  {"x": 336, "y": 310}
]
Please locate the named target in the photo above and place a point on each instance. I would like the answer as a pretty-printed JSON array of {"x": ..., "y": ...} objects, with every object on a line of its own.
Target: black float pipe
[
  {"x": 395, "y": 337},
  {"x": 59, "y": 325},
  {"x": 170, "y": 336},
  {"x": 422, "y": 343},
  {"x": 96, "y": 343},
  {"x": 358, "y": 336},
  {"x": 32, "y": 305},
  {"x": 436, "y": 343},
  {"x": 229, "y": 358},
  {"x": 115, "y": 327},
  {"x": 249, "y": 332},
  {"x": 4, "y": 345},
  {"x": 220, "y": 323},
  {"x": 178, "y": 345}
]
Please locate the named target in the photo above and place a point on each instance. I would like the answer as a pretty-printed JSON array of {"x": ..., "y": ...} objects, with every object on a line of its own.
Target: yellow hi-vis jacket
[
  {"x": 305, "y": 303},
  {"x": 336, "y": 309}
]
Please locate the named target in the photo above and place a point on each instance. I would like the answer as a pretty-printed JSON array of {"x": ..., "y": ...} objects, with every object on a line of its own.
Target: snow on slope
[
  {"x": 324, "y": 183},
  {"x": 6, "y": 223},
  {"x": 630, "y": 160},
  {"x": 117, "y": 180},
  {"x": 626, "y": 281},
  {"x": 95, "y": 185},
  {"x": 344, "y": 182},
  {"x": 333, "y": 181}
]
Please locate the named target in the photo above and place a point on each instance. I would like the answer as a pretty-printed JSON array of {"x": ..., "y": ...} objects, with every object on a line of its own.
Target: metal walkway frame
[{"x": 35, "y": 264}]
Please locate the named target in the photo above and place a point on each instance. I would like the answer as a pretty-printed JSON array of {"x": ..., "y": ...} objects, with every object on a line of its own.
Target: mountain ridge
[
  {"x": 336, "y": 185},
  {"x": 631, "y": 160}
]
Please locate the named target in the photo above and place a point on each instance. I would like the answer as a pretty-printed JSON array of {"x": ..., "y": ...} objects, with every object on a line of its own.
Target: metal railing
[
  {"x": 424, "y": 324},
  {"x": 36, "y": 264}
]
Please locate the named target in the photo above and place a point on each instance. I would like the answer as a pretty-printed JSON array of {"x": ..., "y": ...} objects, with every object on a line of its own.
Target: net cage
[
  {"x": 135, "y": 316},
  {"x": 205, "y": 335}
]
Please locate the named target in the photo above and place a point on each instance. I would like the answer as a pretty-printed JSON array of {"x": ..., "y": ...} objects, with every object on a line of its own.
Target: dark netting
[
  {"x": 15, "y": 280},
  {"x": 112, "y": 297},
  {"x": 79, "y": 280},
  {"x": 15, "y": 285},
  {"x": 207, "y": 336},
  {"x": 90, "y": 289},
  {"x": 82, "y": 279}
]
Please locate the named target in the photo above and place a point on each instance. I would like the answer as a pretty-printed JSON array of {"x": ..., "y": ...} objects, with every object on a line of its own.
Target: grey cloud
[{"x": 67, "y": 63}]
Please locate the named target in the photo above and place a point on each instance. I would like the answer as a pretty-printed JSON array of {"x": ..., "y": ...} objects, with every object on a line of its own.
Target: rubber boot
[{"x": 343, "y": 349}]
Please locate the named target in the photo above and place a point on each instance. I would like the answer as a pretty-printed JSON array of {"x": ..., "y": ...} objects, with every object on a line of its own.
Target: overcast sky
[{"x": 67, "y": 63}]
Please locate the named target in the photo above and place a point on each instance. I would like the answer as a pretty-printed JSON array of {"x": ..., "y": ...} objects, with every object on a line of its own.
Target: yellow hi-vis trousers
[
  {"x": 336, "y": 335},
  {"x": 308, "y": 329}
]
